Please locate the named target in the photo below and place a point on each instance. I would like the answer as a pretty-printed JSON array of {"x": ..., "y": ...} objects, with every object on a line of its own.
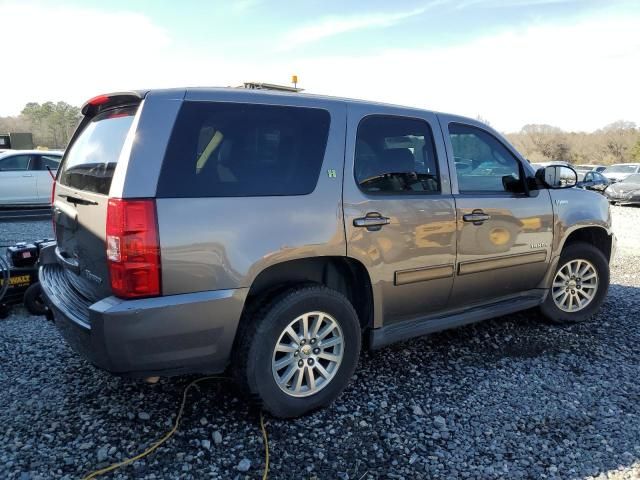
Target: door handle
[
  {"x": 477, "y": 217},
  {"x": 372, "y": 221}
]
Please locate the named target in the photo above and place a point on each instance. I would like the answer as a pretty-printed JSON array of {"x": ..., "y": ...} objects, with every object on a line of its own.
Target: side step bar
[{"x": 397, "y": 332}]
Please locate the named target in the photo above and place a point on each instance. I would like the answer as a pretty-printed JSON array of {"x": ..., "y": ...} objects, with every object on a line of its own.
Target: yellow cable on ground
[
  {"x": 265, "y": 475},
  {"x": 168, "y": 435}
]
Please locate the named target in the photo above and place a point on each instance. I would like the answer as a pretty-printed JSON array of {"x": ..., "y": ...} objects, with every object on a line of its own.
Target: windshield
[
  {"x": 621, "y": 169},
  {"x": 91, "y": 159}
]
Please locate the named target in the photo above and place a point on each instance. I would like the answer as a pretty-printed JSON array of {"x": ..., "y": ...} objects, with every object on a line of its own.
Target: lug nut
[
  {"x": 313, "y": 340},
  {"x": 310, "y": 361},
  {"x": 316, "y": 350},
  {"x": 573, "y": 291},
  {"x": 296, "y": 353},
  {"x": 303, "y": 341},
  {"x": 300, "y": 363}
]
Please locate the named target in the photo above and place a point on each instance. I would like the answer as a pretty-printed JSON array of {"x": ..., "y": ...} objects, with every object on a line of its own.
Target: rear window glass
[
  {"x": 91, "y": 159},
  {"x": 237, "y": 149}
]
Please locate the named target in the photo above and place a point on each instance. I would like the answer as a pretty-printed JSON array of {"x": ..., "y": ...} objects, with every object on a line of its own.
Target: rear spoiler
[{"x": 102, "y": 102}]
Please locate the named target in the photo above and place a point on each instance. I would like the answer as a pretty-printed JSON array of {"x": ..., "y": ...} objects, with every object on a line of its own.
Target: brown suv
[{"x": 275, "y": 234}]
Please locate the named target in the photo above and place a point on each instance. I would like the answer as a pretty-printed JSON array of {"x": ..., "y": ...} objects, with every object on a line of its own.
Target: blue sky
[{"x": 571, "y": 63}]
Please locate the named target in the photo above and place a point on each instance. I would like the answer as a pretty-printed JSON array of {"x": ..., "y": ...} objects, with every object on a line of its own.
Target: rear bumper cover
[{"x": 176, "y": 334}]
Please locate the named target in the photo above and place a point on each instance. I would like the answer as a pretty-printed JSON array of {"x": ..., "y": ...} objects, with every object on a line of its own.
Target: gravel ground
[{"x": 512, "y": 397}]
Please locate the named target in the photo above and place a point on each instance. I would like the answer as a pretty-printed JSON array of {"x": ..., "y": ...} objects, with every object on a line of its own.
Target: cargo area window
[
  {"x": 396, "y": 155},
  {"x": 92, "y": 157},
  {"x": 235, "y": 149}
]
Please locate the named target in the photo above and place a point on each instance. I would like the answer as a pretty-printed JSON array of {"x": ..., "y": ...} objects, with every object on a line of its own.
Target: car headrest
[{"x": 399, "y": 160}]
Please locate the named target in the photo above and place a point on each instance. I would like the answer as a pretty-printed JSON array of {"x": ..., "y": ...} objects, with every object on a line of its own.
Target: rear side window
[
  {"x": 238, "y": 150},
  {"x": 92, "y": 157},
  {"x": 395, "y": 155},
  {"x": 50, "y": 161}
]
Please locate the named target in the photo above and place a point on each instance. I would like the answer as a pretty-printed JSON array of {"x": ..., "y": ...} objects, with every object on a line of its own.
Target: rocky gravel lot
[{"x": 513, "y": 397}]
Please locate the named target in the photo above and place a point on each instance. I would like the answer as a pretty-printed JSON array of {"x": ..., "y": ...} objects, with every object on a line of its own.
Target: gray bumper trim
[{"x": 176, "y": 334}]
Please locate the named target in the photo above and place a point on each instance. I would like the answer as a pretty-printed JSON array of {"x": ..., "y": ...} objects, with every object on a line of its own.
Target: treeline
[
  {"x": 618, "y": 142},
  {"x": 51, "y": 124}
]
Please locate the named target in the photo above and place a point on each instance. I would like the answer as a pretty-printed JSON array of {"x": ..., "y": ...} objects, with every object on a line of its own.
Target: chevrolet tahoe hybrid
[{"x": 274, "y": 235}]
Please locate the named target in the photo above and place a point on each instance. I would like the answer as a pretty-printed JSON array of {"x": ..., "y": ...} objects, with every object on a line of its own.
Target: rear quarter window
[{"x": 238, "y": 150}]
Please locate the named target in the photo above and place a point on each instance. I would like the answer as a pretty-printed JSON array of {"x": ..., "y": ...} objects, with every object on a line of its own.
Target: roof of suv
[{"x": 271, "y": 93}]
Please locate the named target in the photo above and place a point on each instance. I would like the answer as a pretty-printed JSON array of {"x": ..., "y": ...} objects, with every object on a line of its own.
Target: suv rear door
[
  {"x": 505, "y": 231},
  {"x": 398, "y": 209},
  {"x": 42, "y": 175},
  {"x": 82, "y": 192}
]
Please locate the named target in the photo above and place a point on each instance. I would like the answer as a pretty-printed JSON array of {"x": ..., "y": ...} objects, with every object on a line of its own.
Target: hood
[{"x": 624, "y": 187}]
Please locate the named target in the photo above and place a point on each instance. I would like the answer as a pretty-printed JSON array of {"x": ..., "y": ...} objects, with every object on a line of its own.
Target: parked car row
[{"x": 26, "y": 176}]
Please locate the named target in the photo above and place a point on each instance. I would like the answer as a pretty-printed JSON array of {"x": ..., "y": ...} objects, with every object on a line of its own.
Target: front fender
[{"x": 573, "y": 210}]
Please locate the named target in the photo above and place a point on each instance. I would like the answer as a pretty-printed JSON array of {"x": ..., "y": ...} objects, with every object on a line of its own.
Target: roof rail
[{"x": 269, "y": 86}]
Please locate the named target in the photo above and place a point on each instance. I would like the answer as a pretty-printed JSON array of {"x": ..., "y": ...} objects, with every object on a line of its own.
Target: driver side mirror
[{"x": 558, "y": 176}]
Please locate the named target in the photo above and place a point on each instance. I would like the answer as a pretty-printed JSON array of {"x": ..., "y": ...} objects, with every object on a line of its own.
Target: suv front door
[
  {"x": 504, "y": 230},
  {"x": 398, "y": 209}
]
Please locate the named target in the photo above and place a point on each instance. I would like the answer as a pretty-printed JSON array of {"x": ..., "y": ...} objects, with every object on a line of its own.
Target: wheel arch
[
  {"x": 594, "y": 235},
  {"x": 343, "y": 274}
]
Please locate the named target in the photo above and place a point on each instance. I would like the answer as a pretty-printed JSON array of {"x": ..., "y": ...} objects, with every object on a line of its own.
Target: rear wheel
[
  {"x": 299, "y": 351},
  {"x": 579, "y": 285}
]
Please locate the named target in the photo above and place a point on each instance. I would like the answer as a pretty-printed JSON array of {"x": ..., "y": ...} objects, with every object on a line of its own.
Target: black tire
[
  {"x": 579, "y": 251},
  {"x": 33, "y": 300},
  {"x": 261, "y": 330}
]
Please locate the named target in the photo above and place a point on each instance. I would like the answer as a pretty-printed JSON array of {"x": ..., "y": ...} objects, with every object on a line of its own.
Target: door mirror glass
[{"x": 558, "y": 176}]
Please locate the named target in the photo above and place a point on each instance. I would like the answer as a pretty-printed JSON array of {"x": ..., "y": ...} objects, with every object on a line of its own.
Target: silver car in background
[
  {"x": 25, "y": 178},
  {"x": 620, "y": 171}
]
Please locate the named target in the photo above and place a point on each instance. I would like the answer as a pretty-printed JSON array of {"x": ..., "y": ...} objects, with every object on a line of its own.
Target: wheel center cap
[
  {"x": 306, "y": 350},
  {"x": 572, "y": 284}
]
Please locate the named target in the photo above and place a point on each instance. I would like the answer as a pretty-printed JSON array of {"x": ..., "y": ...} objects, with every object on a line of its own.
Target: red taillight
[
  {"x": 133, "y": 248},
  {"x": 99, "y": 100}
]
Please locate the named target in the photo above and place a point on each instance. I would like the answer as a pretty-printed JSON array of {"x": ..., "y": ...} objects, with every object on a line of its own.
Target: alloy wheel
[
  {"x": 575, "y": 285},
  {"x": 308, "y": 354}
]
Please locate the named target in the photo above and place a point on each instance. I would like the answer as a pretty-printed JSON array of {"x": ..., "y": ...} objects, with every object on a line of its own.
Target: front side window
[
  {"x": 239, "y": 149},
  {"x": 15, "y": 163},
  {"x": 395, "y": 155},
  {"x": 483, "y": 164}
]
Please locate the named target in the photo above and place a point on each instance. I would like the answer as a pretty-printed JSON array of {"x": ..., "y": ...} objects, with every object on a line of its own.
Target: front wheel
[
  {"x": 299, "y": 351},
  {"x": 579, "y": 285}
]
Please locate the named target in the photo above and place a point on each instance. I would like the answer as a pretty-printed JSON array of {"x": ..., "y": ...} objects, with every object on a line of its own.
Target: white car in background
[
  {"x": 620, "y": 171},
  {"x": 24, "y": 177}
]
